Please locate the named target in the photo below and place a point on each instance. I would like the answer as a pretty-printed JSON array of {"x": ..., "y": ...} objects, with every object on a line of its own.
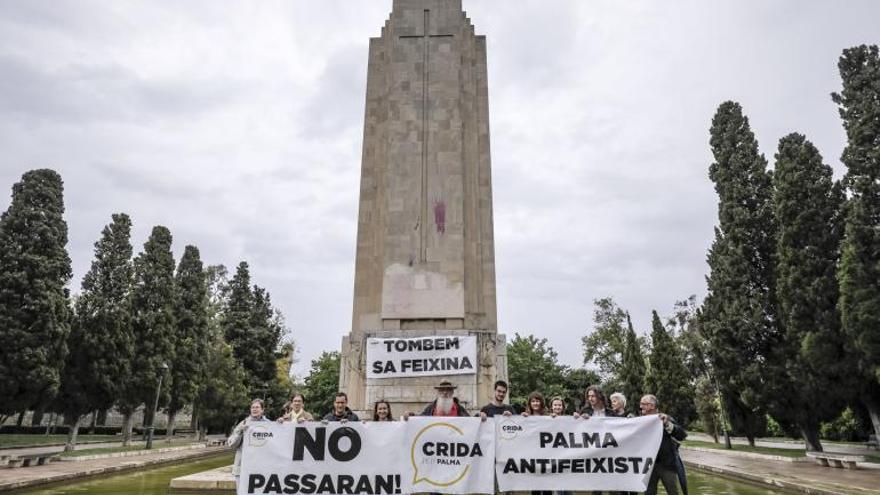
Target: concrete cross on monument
[{"x": 424, "y": 207}]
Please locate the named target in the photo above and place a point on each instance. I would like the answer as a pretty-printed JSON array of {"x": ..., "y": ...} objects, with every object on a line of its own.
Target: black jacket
[
  {"x": 429, "y": 409},
  {"x": 609, "y": 413},
  {"x": 348, "y": 415},
  {"x": 668, "y": 452}
]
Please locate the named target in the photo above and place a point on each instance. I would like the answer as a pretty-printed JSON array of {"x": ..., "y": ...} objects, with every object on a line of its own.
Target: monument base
[{"x": 413, "y": 393}]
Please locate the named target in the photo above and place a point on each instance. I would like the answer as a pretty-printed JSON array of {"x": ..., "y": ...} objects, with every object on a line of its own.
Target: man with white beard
[{"x": 445, "y": 404}]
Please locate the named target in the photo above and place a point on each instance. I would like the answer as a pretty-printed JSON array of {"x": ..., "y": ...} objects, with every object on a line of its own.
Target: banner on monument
[
  {"x": 452, "y": 455},
  {"x": 564, "y": 453},
  {"x": 421, "y": 356}
]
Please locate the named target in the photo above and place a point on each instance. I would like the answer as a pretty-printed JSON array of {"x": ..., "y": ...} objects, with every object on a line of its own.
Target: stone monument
[{"x": 425, "y": 263}]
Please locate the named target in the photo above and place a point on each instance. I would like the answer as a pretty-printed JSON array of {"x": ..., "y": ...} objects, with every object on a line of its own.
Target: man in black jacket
[
  {"x": 665, "y": 465},
  {"x": 340, "y": 411},
  {"x": 596, "y": 405}
]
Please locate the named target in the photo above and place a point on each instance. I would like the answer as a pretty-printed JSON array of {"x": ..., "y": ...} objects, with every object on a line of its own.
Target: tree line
[
  {"x": 213, "y": 342},
  {"x": 790, "y": 329}
]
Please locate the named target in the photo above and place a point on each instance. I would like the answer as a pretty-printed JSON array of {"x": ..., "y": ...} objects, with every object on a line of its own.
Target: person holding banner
[
  {"x": 236, "y": 439},
  {"x": 296, "y": 410},
  {"x": 497, "y": 406},
  {"x": 340, "y": 411},
  {"x": 595, "y": 404},
  {"x": 666, "y": 467},
  {"x": 557, "y": 406},
  {"x": 535, "y": 405},
  {"x": 382, "y": 411},
  {"x": 618, "y": 406},
  {"x": 444, "y": 405}
]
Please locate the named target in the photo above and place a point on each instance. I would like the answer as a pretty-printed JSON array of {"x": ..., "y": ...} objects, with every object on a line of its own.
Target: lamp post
[{"x": 150, "y": 428}]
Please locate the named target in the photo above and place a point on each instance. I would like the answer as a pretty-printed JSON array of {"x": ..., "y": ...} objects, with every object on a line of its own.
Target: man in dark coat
[
  {"x": 340, "y": 411},
  {"x": 666, "y": 467},
  {"x": 596, "y": 405},
  {"x": 445, "y": 404}
]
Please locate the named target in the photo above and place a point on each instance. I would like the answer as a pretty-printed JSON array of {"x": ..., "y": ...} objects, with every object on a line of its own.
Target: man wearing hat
[{"x": 445, "y": 404}]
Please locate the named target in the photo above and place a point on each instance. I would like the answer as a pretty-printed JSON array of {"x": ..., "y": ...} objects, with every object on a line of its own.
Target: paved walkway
[
  {"x": 157, "y": 442},
  {"x": 840, "y": 448},
  {"x": 11, "y": 479},
  {"x": 804, "y": 477}
]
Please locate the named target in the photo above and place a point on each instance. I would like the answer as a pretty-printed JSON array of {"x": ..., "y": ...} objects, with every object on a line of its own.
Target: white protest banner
[
  {"x": 564, "y": 453},
  {"x": 421, "y": 356},
  {"x": 323, "y": 459},
  {"x": 449, "y": 455}
]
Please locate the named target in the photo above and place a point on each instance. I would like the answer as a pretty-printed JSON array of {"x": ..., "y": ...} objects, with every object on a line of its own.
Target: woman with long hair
[
  {"x": 557, "y": 406},
  {"x": 382, "y": 411},
  {"x": 535, "y": 405}
]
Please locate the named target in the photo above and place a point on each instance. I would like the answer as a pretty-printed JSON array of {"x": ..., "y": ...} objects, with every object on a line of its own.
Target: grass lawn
[
  {"x": 157, "y": 444},
  {"x": 19, "y": 440}
]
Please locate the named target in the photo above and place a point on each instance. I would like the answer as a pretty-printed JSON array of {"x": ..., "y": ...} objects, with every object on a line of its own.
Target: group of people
[{"x": 668, "y": 468}]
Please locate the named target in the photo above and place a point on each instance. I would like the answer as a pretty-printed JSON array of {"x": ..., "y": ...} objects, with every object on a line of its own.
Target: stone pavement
[
  {"x": 838, "y": 448},
  {"x": 803, "y": 477},
  {"x": 11, "y": 479}
]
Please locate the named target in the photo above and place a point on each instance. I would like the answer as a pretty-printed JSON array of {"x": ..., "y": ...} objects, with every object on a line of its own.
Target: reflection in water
[
  {"x": 150, "y": 482},
  {"x": 155, "y": 482}
]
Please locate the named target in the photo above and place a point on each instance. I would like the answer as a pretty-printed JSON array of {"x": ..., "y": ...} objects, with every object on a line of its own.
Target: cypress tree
[
  {"x": 632, "y": 370},
  {"x": 807, "y": 362},
  {"x": 237, "y": 315},
  {"x": 191, "y": 333},
  {"x": 34, "y": 304},
  {"x": 667, "y": 377},
  {"x": 738, "y": 315},
  {"x": 859, "y": 106},
  {"x": 100, "y": 341},
  {"x": 152, "y": 305}
]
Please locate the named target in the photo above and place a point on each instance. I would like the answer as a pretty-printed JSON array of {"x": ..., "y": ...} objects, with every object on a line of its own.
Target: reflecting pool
[
  {"x": 148, "y": 482},
  {"x": 155, "y": 482}
]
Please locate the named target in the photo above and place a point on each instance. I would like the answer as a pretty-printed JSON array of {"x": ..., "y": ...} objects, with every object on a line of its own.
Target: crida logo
[
  {"x": 438, "y": 460},
  {"x": 509, "y": 429},
  {"x": 259, "y": 436}
]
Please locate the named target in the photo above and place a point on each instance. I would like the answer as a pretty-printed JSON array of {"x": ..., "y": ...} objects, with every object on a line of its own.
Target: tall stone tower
[{"x": 425, "y": 260}]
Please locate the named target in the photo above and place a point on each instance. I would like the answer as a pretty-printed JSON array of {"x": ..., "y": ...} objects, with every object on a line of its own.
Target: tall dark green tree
[
  {"x": 738, "y": 312},
  {"x": 604, "y": 346},
  {"x": 254, "y": 329},
  {"x": 190, "y": 338},
  {"x": 223, "y": 396},
  {"x": 266, "y": 332},
  {"x": 322, "y": 383},
  {"x": 101, "y": 340},
  {"x": 152, "y": 306},
  {"x": 236, "y": 322},
  {"x": 632, "y": 369},
  {"x": 808, "y": 359},
  {"x": 859, "y": 106},
  {"x": 34, "y": 304},
  {"x": 667, "y": 377}
]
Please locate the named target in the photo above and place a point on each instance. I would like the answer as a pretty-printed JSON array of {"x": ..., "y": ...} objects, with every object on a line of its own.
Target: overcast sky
[{"x": 238, "y": 125}]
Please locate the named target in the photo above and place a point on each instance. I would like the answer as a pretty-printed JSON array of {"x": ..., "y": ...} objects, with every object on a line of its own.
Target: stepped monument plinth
[{"x": 425, "y": 263}]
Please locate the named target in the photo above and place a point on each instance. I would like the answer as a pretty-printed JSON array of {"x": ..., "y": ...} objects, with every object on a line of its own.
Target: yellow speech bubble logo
[{"x": 412, "y": 456}]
